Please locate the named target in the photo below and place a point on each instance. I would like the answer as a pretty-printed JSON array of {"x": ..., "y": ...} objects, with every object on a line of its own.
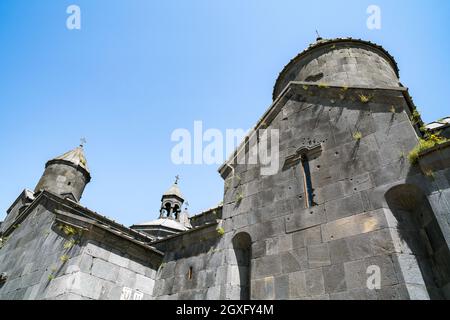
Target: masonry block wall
[
  {"x": 358, "y": 124},
  {"x": 42, "y": 260},
  {"x": 194, "y": 266},
  {"x": 343, "y": 204}
]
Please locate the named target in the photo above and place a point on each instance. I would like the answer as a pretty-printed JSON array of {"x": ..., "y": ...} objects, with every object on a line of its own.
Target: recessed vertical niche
[{"x": 242, "y": 245}]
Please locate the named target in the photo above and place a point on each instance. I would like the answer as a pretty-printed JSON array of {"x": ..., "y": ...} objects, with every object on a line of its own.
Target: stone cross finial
[
  {"x": 177, "y": 178},
  {"x": 318, "y": 36}
]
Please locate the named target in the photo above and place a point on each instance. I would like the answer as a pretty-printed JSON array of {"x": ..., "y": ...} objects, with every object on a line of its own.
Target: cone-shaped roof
[
  {"x": 174, "y": 190},
  {"x": 76, "y": 157}
]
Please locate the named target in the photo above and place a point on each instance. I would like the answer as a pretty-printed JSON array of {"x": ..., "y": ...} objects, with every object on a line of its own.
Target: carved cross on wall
[{"x": 303, "y": 156}]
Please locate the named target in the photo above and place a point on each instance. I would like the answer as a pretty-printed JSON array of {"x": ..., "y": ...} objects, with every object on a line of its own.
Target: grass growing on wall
[{"x": 425, "y": 144}]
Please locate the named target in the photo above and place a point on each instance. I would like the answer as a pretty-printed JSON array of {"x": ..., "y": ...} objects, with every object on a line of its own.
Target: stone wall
[
  {"x": 44, "y": 260},
  {"x": 195, "y": 266},
  {"x": 324, "y": 251}
]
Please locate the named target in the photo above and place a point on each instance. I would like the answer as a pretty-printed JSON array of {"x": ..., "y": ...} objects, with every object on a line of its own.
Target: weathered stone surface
[
  {"x": 343, "y": 200},
  {"x": 354, "y": 225},
  {"x": 318, "y": 256},
  {"x": 104, "y": 270}
]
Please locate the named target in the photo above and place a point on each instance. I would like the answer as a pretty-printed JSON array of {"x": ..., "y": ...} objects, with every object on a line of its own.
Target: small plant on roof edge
[
  {"x": 424, "y": 144},
  {"x": 239, "y": 197},
  {"x": 365, "y": 99},
  {"x": 69, "y": 244},
  {"x": 220, "y": 231},
  {"x": 415, "y": 117},
  {"x": 429, "y": 173},
  {"x": 357, "y": 136},
  {"x": 69, "y": 230}
]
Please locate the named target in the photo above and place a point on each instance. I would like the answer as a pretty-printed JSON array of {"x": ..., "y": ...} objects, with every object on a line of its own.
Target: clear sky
[{"x": 139, "y": 69}]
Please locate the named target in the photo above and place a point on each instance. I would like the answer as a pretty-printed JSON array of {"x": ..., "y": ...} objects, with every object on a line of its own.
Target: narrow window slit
[
  {"x": 309, "y": 191},
  {"x": 190, "y": 273}
]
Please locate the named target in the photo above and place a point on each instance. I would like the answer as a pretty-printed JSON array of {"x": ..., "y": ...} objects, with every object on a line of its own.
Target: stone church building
[{"x": 348, "y": 204}]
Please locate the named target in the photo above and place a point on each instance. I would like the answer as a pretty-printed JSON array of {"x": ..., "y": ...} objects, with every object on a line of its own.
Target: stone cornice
[
  {"x": 295, "y": 87},
  {"x": 83, "y": 215}
]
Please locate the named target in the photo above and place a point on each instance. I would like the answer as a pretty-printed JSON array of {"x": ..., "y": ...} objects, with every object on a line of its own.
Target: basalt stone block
[
  {"x": 319, "y": 255},
  {"x": 357, "y": 184},
  {"x": 266, "y": 266},
  {"x": 167, "y": 286},
  {"x": 297, "y": 288},
  {"x": 339, "y": 251},
  {"x": 329, "y": 192},
  {"x": 285, "y": 243},
  {"x": 118, "y": 259},
  {"x": 334, "y": 278},
  {"x": 311, "y": 236},
  {"x": 315, "y": 285},
  {"x": 263, "y": 289},
  {"x": 282, "y": 287},
  {"x": 356, "y": 274},
  {"x": 351, "y": 226},
  {"x": 144, "y": 284},
  {"x": 304, "y": 219},
  {"x": 272, "y": 246},
  {"x": 96, "y": 251},
  {"x": 213, "y": 293},
  {"x": 268, "y": 229},
  {"x": 382, "y": 242},
  {"x": 345, "y": 207},
  {"x": 140, "y": 268},
  {"x": 390, "y": 173},
  {"x": 86, "y": 285},
  {"x": 258, "y": 249},
  {"x": 359, "y": 246},
  {"x": 126, "y": 278},
  {"x": 104, "y": 270},
  {"x": 294, "y": 260}
]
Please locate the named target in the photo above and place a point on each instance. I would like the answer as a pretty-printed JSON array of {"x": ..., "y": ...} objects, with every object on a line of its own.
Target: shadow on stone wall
[
  {"x": 242, "y": 244},
  {"x": 418, "y": 228}
]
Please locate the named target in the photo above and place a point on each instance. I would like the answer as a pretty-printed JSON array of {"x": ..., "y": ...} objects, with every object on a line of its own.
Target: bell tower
[{"x": 171, "y": 202}]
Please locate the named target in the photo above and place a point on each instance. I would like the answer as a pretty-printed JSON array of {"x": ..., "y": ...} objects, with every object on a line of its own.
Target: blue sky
[{"x": 139, "y": 69}]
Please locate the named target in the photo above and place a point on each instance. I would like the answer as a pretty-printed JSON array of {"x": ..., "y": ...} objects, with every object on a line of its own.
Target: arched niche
[
  {"x": 426, "y": 246},
  {"x": 242, "y": 245}
]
